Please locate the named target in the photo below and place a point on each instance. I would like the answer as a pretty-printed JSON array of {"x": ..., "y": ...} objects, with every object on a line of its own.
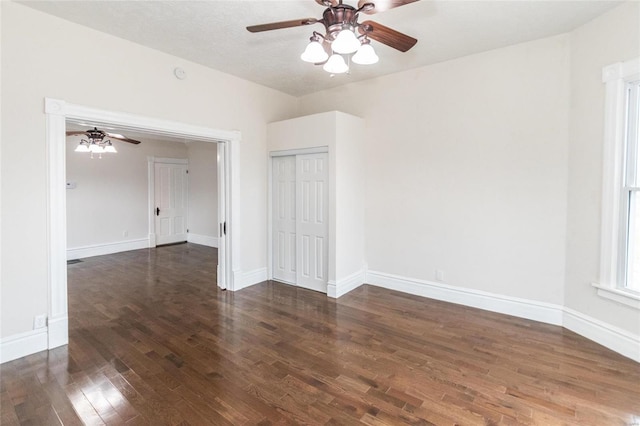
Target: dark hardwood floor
[{"x": 152, "y": 341}]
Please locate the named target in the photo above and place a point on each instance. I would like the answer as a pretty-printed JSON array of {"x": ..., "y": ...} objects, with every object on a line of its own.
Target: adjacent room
[
  {"x": 147, "y": 187},
  {"x": 320, "y": 212}
]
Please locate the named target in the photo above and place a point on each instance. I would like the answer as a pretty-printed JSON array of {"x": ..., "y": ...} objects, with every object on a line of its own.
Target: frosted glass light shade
[
  {"x": 336, "y": 65},
  {"x": 346, "y": 42},
  {"x": 82, "y": 148},
  {"x": 314, "y": 53},
  {"x": 110, "y": 148},
  {"x": 365, "y": 55}
]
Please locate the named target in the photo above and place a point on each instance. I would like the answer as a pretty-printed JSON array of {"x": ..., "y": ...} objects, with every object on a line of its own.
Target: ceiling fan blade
[
  {"x": 282, "y": 24},
  {"x": 386, "y": 35},
  {"x": 381, "y": 5},
  {"x": 328, "y": 3},
  {"x": 122, "y": 138},
  {"x": 78, "y": 132}
]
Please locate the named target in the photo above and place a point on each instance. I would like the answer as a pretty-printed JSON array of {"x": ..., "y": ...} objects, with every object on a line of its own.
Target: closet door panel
[
  {"x": 284, "y": 218},
  {"x": 311, "y": 227}
]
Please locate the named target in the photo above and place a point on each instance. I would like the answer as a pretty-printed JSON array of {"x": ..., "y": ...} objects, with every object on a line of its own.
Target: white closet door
[
  {"x": 312, "y": 247},
  {"x": 284, "y": 218},
  {"x": 171, "y": 203}
]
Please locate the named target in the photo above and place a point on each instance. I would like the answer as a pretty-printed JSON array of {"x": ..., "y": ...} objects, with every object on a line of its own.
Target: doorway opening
[{"x": 58, "y": 113}]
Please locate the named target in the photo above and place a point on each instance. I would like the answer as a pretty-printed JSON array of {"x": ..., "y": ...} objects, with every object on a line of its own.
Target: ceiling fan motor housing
[
  {"x": 95, "y": 134},
  {"x": 335, "y": 18}
]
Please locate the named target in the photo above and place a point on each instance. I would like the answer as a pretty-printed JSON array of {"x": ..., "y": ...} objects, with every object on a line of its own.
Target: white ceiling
[{"x": 212, "y": 33}]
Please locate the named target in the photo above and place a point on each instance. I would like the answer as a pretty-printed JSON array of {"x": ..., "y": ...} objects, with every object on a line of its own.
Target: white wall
[
  {"x": 350, "y": 198},
  {"x": 613, "y": 37},
  {"x": 466, "y": 169},
  {"x": 203, "y": 191},
  {"x": 111, "y": 196},
  {"x": 67, "y": 61}
]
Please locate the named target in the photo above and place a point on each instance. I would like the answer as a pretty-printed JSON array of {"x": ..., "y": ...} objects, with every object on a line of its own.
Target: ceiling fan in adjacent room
[
  {"x": 344, "y": 36},
  {"x": 98, "y": 141}
]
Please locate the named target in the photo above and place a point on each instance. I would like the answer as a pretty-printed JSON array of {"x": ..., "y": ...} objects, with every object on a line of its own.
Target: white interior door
[
  {"x": 171, "y": 203},
  {"x": 312, "y": 231},
  {"x": 284, "y": 218}
]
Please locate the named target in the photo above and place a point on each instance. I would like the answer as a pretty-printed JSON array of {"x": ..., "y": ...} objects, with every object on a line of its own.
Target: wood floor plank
[{"x": 154, "y": 342}]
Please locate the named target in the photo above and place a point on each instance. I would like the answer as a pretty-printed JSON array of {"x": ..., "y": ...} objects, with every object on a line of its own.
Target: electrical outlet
[
  {"x": 39, "y": 321},
  {"x": 439, "y": 275}
]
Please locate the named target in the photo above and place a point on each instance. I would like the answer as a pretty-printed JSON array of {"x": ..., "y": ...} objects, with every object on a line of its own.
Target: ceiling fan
[
  {"x": 98, "y": 141},
  {"x": 344, "y": 36}
]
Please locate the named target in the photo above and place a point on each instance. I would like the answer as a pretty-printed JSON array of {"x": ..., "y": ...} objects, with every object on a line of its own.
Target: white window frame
[{"x": 613, "y": 233}]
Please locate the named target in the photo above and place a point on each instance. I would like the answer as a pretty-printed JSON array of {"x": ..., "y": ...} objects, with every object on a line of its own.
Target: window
[
  {"x": 620, "y": 237},
  {"x": 630, "y": 208}
]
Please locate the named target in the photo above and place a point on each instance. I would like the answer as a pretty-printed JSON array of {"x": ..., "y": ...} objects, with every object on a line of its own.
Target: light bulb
[
  {"x": 346, "y": 42},
  {"x": 365, "y": 55},
  {"x": 314, "y": 53},
  {"x": 336, "y": 65}
]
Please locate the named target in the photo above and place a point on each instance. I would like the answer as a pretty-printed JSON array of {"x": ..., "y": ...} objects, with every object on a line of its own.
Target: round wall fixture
[{"x": 180, "y": 73}]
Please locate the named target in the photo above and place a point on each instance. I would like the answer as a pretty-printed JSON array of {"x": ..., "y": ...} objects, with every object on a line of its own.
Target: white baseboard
[
  {"x": 58, "y": 331},
  {"x": 203, "y": 240},
  {"x": 538, "y": 311},
  {"x": 344, "y": 285},
  {"x": 23, "y": 344},
  {"x": 614, "y": 338},
  {"x": 108, "y": 248},
  {"x": 246, "y": 279},
  {"x": 609, "y": 336}
]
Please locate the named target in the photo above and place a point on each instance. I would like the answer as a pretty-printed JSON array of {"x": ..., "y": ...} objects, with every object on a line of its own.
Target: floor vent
[
  {"x": 171, "y": 244},
  {"x": 72, "y": 261}
]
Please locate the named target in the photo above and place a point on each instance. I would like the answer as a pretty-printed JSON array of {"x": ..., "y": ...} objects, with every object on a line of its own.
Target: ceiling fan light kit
[
  {"x": 96, "y": 146},
  {"x": 96, "y": 142},
  {"x": 344, "y": 36}
]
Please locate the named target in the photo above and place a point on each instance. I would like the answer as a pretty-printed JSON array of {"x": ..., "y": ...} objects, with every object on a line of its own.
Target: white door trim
[
  {"x": 282, "y": 153},
  {"x": 57, "y": 113},
  {"x": 166, "y": 160},
  {"x": 223, "y": 191},
  {"x": 300, "y": 151}
]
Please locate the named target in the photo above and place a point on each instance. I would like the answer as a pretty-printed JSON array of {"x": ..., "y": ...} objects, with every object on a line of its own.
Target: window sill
[{"x": 626, "y": 297}]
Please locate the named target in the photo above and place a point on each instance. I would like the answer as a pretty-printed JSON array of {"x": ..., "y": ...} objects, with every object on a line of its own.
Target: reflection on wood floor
[{"x": 153, "y": 341}]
